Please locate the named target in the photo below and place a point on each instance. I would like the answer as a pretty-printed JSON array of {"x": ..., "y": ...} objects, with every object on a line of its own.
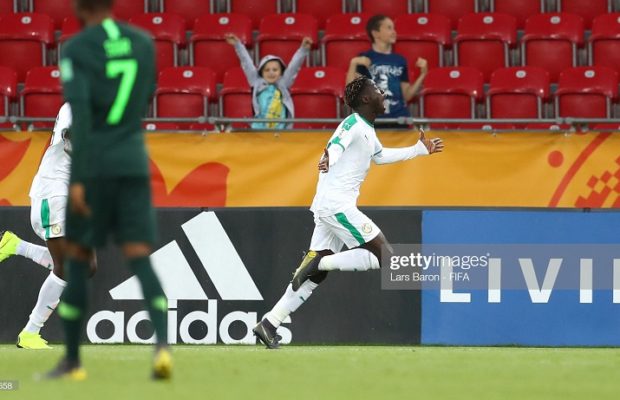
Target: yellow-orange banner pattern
[{"x": 266, "y": 169}]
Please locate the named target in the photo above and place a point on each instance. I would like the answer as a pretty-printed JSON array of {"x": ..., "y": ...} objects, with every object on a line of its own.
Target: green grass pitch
[{"x": 324, "y": 372}]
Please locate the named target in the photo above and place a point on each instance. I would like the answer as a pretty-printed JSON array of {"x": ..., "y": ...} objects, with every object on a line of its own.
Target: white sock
[
  {"x": 290, "y": 302},
  {"x": 350, "y": 260},
  {"x": 38, "y": 254},
  {"x": 49, "y": 296}
]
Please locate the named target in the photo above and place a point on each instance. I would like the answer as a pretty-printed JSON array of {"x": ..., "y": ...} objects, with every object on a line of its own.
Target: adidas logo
[
  {"x": 217, "y": 255},
  {"x": 227, "y": 272}
]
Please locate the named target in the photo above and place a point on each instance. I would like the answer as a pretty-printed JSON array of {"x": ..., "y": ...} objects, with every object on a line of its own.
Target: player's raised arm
[{"x": 424, "y": 146}]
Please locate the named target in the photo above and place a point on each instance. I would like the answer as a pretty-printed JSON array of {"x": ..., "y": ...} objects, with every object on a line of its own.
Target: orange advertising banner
[{"x": 276, "y": 170}]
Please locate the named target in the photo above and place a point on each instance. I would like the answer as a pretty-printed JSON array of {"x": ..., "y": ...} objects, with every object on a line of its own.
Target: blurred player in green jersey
[{"x": 108, "y": 75}]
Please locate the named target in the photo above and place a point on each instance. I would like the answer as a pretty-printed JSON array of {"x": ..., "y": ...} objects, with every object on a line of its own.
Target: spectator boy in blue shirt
[{"x": 387, "y": 69}]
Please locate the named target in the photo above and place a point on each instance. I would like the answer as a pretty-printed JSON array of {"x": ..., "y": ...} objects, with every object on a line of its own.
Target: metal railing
[{"x": 223, "y": 124}]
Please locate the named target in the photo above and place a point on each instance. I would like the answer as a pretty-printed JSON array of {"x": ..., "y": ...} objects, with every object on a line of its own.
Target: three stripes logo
[
  {"x": 218, "y": 256},
  {"x": 227, "y": 272}
]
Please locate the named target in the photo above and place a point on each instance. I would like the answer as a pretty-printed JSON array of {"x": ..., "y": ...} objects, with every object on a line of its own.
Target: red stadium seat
[
  {"x": 42, "y": 94},
  {"x": 317, "y": 93},
  {"x": 520, "y": 9},
  {"x": 604, "y": 42},
  {"x": 208, "y": 48},
  {"x": 518, "y": 92},
  {"x": 451, "y": 92},
  {"x": 184, "y": 92},
  {"x": 236, "y": 96},
  {"x": 551, "y": 42},
  {"x": 24, "y": 39},
  {"x": 168, "y": 32},
  {"x": 587, "y": 9},
  {"x": 7, "y": 6},
  {"x": 57, "y": 9},
  {"x": 586, "y": 92},
  {"x": 345, "y": 37},
  {"x": 125, "y": 9},
  {"x": 70, "y": 26},
  {"x": 281, "y": 34},
  {"x": 188, "y": 9},
  {"x": 484, "y": 41},
  {"x": 320, "y": 9},
  {"x": 392, "y": 8},
  {"x": 160, "y": 126},
  {"x": 255, "y": 9},
  {"x": 423, "y": 35},
  {"x": 453, "y": 9},
  {"x": 8, "y": 89}
]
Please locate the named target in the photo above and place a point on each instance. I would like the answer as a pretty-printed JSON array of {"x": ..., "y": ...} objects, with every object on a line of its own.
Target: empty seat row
[
  {"x": 484, "y": 40},
  {"x": 449, "y": 92},
  {"x": 519, "y": 92},
  {"x": 183, "y": 92},
  {"x": 322, "y": 9}
]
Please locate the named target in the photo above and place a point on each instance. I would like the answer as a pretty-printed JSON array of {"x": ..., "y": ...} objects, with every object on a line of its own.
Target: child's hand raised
[
  {"x": 231, "y": 39},
  {"x": 422, "y": 64},
  {"x": 306, "y": 42}
]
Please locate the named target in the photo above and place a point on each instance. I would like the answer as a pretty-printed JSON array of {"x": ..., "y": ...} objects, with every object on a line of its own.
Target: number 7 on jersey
[{"x": 128, "y": 70}]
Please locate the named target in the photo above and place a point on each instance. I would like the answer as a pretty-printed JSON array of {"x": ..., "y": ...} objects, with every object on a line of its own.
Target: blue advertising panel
[{"x": 566, "y": 316}]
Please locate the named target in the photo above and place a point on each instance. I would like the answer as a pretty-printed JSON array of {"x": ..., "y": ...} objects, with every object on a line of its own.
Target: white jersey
[
  {"x": 351, "y": 148},
  {"x": 63, "y": 121},
  {"x": 52, "y": 178}
]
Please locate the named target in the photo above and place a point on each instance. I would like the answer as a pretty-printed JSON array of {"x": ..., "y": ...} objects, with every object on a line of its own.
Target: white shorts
[
  {"x": 350, "y": 228},
  {"x": 47, "y": 217}
]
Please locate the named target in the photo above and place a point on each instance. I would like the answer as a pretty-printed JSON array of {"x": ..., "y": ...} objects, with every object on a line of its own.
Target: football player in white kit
[
  {"x": 48, "y": 197},
  {"x": 338, "y": 222}
]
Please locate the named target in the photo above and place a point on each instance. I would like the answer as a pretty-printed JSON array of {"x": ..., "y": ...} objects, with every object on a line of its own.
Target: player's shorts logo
[
  {"x": 56, "y": 229},
  {"x": 367, "y": 228}
]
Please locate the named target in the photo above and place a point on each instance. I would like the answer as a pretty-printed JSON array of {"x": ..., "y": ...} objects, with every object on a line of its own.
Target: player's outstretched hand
[
  {"x": 306, "y": 42},
  {"x": 434, "y": 145},
  {"x": 231, "y": 39},
  {"x": 77, "y": 193},
  {"x": 324, "y": 162}
]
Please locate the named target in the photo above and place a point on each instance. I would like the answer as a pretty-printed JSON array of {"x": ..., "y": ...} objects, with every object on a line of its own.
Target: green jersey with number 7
[{"x": 108, "y": 75}]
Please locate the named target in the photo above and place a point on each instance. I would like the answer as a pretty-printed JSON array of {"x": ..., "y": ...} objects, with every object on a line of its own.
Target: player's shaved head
[
  {"x": 94, "y": 5},
  {"x": 353, "y": 91}
]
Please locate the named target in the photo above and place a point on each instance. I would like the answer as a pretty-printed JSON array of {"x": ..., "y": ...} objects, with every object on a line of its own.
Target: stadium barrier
[
  {"x": 227, "y": 124},
  {"x": 222, "y": 269}
]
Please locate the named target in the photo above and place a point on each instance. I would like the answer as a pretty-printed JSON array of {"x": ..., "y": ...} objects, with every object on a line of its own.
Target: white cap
[{"x": 266, "y": 59}]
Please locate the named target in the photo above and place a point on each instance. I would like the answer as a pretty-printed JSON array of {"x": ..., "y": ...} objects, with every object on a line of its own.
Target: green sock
[
  {"x": 156, "y": 302},
  {"x": 72, "y": 307}
]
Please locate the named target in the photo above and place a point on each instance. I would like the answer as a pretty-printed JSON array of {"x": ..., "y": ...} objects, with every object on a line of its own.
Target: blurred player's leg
[
  {"x": 156, "y": 304},
  {"x": 11, "y": 245},
  {"x": 72, "y": 310},
  {"x": 136, "y": 231}
]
